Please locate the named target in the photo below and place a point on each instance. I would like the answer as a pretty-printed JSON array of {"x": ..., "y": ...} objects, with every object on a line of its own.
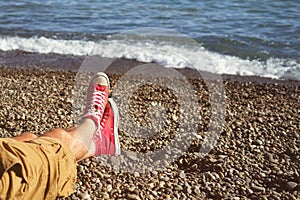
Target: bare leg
[
  {"x": 78, "y": 139},
  {"x": 25, "y": 137}
]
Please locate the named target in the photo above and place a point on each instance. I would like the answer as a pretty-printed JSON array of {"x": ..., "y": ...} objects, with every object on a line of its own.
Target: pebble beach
[
  {"x": 208, "y": 92},
  {"x": 256, "y": 155}
]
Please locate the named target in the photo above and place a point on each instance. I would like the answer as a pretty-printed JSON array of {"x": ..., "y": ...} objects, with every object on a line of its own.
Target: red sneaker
[
  {"x": 106, "y": 141},
  {"x": 104, "y": 113},
  {"x": 97, "y": 97}
]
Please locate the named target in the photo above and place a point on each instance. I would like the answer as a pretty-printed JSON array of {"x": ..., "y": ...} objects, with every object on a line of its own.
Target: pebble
[
  {"x": 136, "y": 174},
  {"x": 131, "y": 155},
  {"x": 182, "y": 174},
  {"x": 178, "y": 187},
  {"x": 84, "y": 196},
  {"x": 161, "y": 184},
  {"x": 74, "y": 197},
  {"x": 291, "y": 185},
  {"x": 270, "y": 157},
  {"x": 154, "y": 193},
  {"x": 188, "y": 190},
  {"x": 133, "y": 196},
  {"x": 258, "y": 188},
  {"x": 254, "y": 146},
  {"x": 151, "y": 185},
  {"x": 105, "y": 195},
  {"x": 174, "y": 117},
  {"x": 115, "y": 160},
  {"x": 164, "y": 178},
  {"x": 109, "y": 187}
]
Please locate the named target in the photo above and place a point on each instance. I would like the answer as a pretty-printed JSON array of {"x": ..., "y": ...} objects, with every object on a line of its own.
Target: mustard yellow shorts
[{"x": 43, "y": 168}]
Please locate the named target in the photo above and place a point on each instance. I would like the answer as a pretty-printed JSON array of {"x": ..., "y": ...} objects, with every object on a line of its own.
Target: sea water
[{"x": 260, "y": 38}]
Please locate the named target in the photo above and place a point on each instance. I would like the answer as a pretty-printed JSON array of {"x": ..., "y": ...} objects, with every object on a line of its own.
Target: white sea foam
[{"x": 169, "y": 54}]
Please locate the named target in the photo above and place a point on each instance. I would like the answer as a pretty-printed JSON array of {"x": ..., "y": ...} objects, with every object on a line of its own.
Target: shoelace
[
  {"x": 96, "y": 106},
  {"x": 101, "y": 126}
]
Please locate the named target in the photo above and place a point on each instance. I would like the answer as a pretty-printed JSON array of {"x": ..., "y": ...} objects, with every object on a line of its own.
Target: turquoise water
[{"x": 266, "y": 33}]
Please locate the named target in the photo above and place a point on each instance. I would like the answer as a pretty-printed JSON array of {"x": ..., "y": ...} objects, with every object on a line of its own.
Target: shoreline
[{"x": 56, "y": 62}]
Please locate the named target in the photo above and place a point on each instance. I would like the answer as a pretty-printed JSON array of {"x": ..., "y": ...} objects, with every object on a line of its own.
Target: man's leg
[
  {"x": 73, "y": 138},
  {"x": 78, "y": 139},
  {"x": 97, "y": 133},
  {"x": 25, "y": 137}
]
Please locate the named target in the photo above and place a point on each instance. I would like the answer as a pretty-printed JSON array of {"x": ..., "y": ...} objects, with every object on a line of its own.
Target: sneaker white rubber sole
[{"x": 116, "y": 121}]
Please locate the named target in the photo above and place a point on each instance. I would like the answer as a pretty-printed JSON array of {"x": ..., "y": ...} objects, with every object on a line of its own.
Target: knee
[
  {"x": 25, "y": 137},
  {"x": 56, "y": 133},
  {"x": 30, "y": 136}
]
